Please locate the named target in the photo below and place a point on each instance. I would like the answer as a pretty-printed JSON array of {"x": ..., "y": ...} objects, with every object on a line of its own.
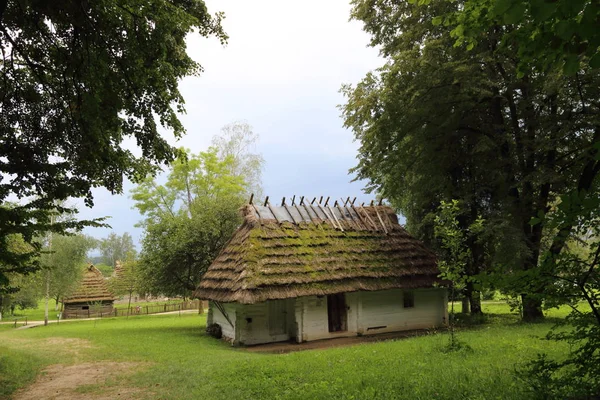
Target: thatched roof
[
  {"x": 92, "y": 288},
  {"x": 291, "y": 251}
]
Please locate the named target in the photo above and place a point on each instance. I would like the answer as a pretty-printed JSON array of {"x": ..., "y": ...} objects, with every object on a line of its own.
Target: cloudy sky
[{"x": 281, "y": 72}]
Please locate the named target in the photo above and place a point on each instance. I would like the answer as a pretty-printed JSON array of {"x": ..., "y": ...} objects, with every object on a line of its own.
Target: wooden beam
[
  {"x": 380, "y": 220},
  {"x": 283, "y": 201},
  {"x": 290, "y": 213},
  {"x": 293, "y": 199},
  {"x": 336, "y": 220},
  {"x": 266, "y": 201},
  {"x": 369, "y": 218},
  {"x": 251, "y": 198}
]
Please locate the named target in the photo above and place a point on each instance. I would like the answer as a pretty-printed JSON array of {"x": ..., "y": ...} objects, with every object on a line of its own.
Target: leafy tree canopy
[
  {"x": 540, "y": 33},
  {"x": 79, "y": 78},
  {"x": 115, "y": 247},
  {"x": 438, "y": 122}
]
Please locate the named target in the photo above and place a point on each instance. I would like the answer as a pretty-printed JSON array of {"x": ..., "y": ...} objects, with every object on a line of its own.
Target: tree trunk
[
  {"x": 47, "y": 298},
  {"x": 532, "y": 309},
  {"x": 465, "y": 305},
  {"x": 476, "y": 303}
]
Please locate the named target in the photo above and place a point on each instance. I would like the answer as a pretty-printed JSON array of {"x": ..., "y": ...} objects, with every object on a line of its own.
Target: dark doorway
[{"x": 336, "y": 312}]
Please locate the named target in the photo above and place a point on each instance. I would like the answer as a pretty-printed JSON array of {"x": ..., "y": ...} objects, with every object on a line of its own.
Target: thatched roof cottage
[
  {"x": 308, "y": 272},
  {"x": 91, "y": 298}
]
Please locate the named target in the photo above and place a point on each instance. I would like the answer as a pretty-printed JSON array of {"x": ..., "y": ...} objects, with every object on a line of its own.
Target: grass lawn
[{"x": 179, "y": 361}]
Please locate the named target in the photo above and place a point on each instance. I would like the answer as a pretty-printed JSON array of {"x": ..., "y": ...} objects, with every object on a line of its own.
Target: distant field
[{"x": 170, "y": 357}]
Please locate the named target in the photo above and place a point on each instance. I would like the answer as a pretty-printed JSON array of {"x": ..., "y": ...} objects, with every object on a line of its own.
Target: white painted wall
[
  {"x": 383, "y": 311},
  {"x": 306, "y": 317},
  {"x": 219, "y": 318},
  {"x": 254, "y": 322}
]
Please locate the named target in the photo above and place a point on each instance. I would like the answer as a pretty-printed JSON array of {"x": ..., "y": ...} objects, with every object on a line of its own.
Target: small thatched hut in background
[
  {"x": 91, "y": 298},
  {"x": 308, "y": 272}
]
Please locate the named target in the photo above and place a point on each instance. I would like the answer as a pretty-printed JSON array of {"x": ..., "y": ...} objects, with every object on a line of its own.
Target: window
[{"x": 409, "y": 299}]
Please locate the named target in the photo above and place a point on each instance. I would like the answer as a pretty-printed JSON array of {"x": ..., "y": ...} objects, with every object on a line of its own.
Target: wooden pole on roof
[
  {"x": 275, "y": 215},
  {"x": 251, "y": 198},
  {"x": 302, "y": 200},
  {"x": 369, "y": 218},
  {"x": 336, "y": 219},
  {"x": 321, "y": 200},
  {"x": 290, "y": 213},
  {"x": 380, "y": 220},
  {"x": 327, "y": 216},
  {"x": 308, "y": 212},
  {"x": 353, "y": 200},
  {"x": 360, "y": 217},
  {"x": 335, "y": 204},
  {"x": 313, "y": 201},
  {"x": 326, "y": 201},
  {"x": 293, "y": 199},
  {"x": 380, "y": 202},
  {"x": 283, "y": 201},
  {"x": 266, "y": 201},
  {"x": 372, "y": 203},
  {"x": 353, "y": 222}
]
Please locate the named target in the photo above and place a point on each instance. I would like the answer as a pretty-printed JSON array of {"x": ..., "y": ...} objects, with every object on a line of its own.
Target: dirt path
[{"x": 86, "y": 381}]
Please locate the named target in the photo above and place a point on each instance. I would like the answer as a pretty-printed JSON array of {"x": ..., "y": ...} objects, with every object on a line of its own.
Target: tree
[
  {"x": 455, "y": 241},
  {"x": 187, "y": 221},
  {"x": 126, "y": 279},
  {"x": 67, "y": 255},
  {"x": 541, "y": 33},
  {"x": 574, "y": 279},
  {"x": 237, "y": 141},
  {"x": 439, "y": 122},
  {"x": 79, "y": 78},
  {"x": 116, "y": 247},
  {"x": 62, "y": 262},
  {"x": 15, "y": 295}
]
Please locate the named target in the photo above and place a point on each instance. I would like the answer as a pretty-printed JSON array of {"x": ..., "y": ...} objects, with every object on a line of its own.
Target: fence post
[
  {"x": 25, "y": 321},
  {"x": 116, "y": 311},
  {"x": 15, "y": 322},
  {"x": 146, "y": 310}
]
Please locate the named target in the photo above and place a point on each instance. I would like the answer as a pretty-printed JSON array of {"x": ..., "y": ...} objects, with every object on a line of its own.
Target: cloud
[{"x": 281, "y": 72}]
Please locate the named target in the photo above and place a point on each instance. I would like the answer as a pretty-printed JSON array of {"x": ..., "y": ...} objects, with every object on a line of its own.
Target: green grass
[{"x": 187, "y": 364}]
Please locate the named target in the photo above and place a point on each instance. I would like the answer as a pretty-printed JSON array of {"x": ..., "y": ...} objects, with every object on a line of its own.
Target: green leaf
[
  {"x": 595, "y": 60},
  {"x": 541, "y": 10},
  {"x": 534, "y": 221},
  {"x": 502, "y": 6},
  {"x": 437, "y": 20},
  {"x": 470, "y": 46},
  {"x": 571, "y": 65},
  {"x": 564, "y": 29},
  {"x": 515, "y": 14}
]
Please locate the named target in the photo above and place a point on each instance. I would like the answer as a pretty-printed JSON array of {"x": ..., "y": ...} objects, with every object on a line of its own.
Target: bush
[{"x": 215, "y": 331}]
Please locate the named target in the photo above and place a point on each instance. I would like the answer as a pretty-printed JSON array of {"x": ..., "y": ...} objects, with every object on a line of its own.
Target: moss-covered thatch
[
  {"x": 92, "y": 288},
  {"x": 346, "y": 250}
]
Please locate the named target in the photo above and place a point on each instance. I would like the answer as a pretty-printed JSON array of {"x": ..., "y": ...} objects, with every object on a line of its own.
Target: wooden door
[
  {"x": 337, "y": 312},
  {"x": 277, "y": 317}
]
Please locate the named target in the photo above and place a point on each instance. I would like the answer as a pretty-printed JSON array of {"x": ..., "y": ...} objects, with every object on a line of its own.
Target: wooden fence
[{"x": 140, "y": 310}]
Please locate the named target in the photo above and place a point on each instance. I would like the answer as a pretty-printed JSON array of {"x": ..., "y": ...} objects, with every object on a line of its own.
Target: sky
[{"x": 281, "y": 72}]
